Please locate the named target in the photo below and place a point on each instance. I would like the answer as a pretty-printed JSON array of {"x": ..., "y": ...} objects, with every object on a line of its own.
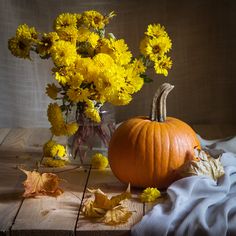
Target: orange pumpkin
[{"x": 147, "y": 151}]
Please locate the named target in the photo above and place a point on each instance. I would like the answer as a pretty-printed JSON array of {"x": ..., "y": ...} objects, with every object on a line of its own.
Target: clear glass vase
[{"x": 91, "y": 137}]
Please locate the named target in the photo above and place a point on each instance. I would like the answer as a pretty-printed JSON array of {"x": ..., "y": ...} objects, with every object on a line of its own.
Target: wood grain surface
[{"x": 61, "y": 216}]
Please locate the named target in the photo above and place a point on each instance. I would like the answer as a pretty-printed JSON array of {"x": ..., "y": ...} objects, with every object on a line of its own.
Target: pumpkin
[{"x": 148, "y": 151}]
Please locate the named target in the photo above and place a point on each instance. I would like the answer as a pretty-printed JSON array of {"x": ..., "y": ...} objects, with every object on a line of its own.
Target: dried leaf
[
  {"x": 102, "y": 201},
  {"x": 117, "y": 215},
  {"x": 203, "y": 164},
  {"x": 41, "y": 184},
  {"x": 110, "y": 211},
  {"x": 90, "y": 211}
]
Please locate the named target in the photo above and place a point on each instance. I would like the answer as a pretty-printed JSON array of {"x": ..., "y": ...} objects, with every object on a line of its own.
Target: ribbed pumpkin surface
[{"x": 147, "y": 153}]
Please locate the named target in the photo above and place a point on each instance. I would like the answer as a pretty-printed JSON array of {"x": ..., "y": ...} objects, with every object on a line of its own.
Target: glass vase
[{"x": 91, "y": 137}]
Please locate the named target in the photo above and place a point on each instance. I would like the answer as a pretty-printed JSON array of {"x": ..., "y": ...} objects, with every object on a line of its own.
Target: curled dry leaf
[
  {"x": 117, "y": 215},
  {"x": 110, "y": 211},
  {"x": 41, "y": 184},
  {"x": 202, "y": 164}
]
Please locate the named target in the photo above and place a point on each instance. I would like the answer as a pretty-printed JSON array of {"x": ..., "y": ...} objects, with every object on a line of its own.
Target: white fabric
[{"x": 197, "y": 205}]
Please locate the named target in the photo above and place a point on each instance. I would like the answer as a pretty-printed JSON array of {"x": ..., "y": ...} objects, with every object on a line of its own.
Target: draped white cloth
[{"x": 197, "y": 205}]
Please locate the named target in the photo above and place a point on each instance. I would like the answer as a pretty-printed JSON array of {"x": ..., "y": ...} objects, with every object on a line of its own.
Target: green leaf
[{"x": 146, "y": 78}]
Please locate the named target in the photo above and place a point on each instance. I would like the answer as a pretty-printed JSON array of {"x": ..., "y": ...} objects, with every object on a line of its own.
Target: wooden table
[{"x": 61, "y": 216}]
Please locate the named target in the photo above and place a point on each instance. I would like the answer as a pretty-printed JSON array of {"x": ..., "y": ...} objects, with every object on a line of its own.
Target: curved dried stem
[{"x": 158, "y": 110}]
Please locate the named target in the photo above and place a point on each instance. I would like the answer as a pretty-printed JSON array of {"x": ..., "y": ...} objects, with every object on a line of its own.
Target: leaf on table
[
  {"x": 89, "y": 210},
  {"x": 203, "y": 164},
  {"x": 110, "y": 211},
  {"x": 41, "y": 184},
  {"x": 102, "y": 200},
  {"x": 117, "y": 215}
]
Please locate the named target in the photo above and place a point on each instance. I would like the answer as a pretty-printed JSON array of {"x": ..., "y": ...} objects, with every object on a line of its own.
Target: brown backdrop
[{"x": 204, "y": 55}]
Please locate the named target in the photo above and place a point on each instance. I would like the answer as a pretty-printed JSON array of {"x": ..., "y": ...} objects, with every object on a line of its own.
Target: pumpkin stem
[{"x": 158, "y": 111}]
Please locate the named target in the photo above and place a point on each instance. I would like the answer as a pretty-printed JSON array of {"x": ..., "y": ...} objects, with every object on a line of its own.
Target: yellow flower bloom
[
  {"x": 85, "y": 35},
  {"x": 71, "y": 128},
  {"x": 117, "y": 49},
  {"x": 155, "y": 30},
  {"x": 19, "y": 47},
  {"x": 62, "y": 75},
  {"x": 143, "y": 46},
  {"x": 157, "y": 47},
  {"x": 63, "y": 53},
  {"x": 122, "y": 98},
  {"x": 99, "y": 161},
  {"x": 65, "y": 20},
  {"x": 58, "y": 150},
  {"x": 93, "y": 114},
  {"x": 162, "y": 65},
  {"x": 93, "y": 19},
  {"x": 76, "y": 80},
  {"x": 52, "y": 90},
  {"x": 69, "y": 34},
  {"x": 87, "y": 68},
  {"x": 150, "y": 195},
  {"x": 45, "y": 44},
  {"x": 78, "y": 94},
  {"x": 26, "y": 33},
  {"x": 47, "y": 148},
  {"x": 104, "y": 61},
  {"x": 55, "y": 115},
  {"x": 50, "y": 162}
]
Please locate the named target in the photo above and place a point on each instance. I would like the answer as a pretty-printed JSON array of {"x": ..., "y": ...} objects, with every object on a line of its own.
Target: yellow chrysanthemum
[
  {"x": 65, "y": 20},
  {"x": 143, "y": 46},
  {"x": 62, "y": 74},
  {"x": 87, "y": 68},
  {"x": 71, "y": 128},
  {"x": 157, "y": 47},
  {"x": 117, "y": 49},
  {"x": 104, "y": 61},
  {"x": 77, "y": 94},
  {"x": 155, "y": 30},
  {"x": 99, "y": 161},
  {"x": 76, "y": 80},
  {"x": 63, "y": 53},
  {"x": 150, "y": 195},
  {"x": 69, "y": 34},
  {"x": 58, "y": 150},
  {"x": 45, "y": 44},
  {"x": 58, "y": 130},
  {"x": 19, "y": 47},
  {"x": 55, "y": 115},
  {"x": 85, "y": 35},
  {"x": 52, "y": 90},
  {"x": 162, "y": 65},
  {"x": 50, "y": 162},
  {"x": 93, "y": 19},
  {"x": 47, "y": 148},
  {"x": 92, "y": 113},
  {"x": 138, "y": 66},
  {"x": 26, "y": 33},
  {"x": 122, "y": 98}
]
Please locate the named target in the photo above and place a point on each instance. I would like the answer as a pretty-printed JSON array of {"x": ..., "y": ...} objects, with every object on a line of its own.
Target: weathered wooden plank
[
  {"x": 53, "y": 216},
  {"x": 25, "y": 139},
  {"x": 106, "y": 181},
  {"x": 3, "y": 133},
  {"x": 11, "y": 185},
  {"x": 14, "y": 152}
]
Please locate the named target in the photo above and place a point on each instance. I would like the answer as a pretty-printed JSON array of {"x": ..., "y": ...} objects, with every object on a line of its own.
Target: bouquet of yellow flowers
[{"x": 91, "y": 67}]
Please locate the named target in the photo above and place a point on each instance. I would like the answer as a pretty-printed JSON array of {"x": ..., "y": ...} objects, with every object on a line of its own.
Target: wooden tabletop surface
[{"x": 61, "y": 216}]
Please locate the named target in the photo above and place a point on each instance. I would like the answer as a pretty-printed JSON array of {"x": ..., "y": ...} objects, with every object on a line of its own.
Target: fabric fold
[{"x": 197, "y": 205}]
